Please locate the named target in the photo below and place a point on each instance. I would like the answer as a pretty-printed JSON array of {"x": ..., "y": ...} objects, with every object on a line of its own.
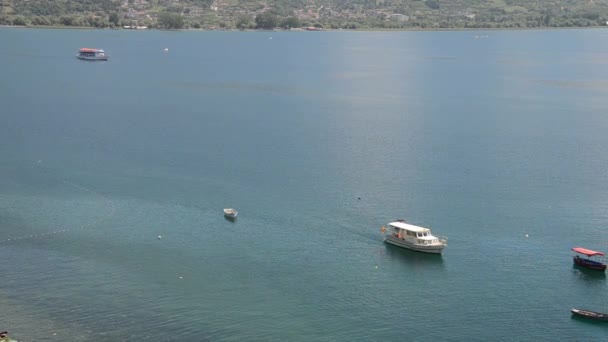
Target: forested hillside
[{"x": 268, "y": 14}]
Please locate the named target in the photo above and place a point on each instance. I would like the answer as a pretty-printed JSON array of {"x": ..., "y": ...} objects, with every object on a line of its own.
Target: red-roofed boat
[
  {"x": 92, "y": 54},
  {"x": 587, "y": 262}
]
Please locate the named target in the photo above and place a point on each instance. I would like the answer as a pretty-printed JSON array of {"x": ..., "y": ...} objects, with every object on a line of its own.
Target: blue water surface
[{"x": 496, "y": 140}]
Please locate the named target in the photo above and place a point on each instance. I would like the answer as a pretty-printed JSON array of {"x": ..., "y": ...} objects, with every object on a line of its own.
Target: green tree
[
  {"x": 591, "y": 16},
  {"x": 80, "y": 21},
  {"x": 147, "y": 22},
  {"x": 66, "y": 20},
  {"x": 434, "y": 4},
  {"x": 266, "y": 21},
  {"x": 170, "y": 20},
  {"x": 290, "y": 22},
  {"x": 243, "y": 22},
  {"x": 99, "y": 22},
  {"x": 41, "y": 21},
  {"x": 114, "y": 19},
  {"x": 20, "y": 20}
]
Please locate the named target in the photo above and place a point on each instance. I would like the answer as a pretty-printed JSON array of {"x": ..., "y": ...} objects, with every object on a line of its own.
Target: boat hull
[
  {"x": 104, "y": 58},
  {"x": 597, "y": 316},
  {"x": 590, "y": 264},
  {"x": 230, "y": 213},
  {"x": 432, "y": 249}
]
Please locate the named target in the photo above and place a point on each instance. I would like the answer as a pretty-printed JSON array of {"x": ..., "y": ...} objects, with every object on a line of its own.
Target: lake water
[{"x": 497, "y": 140}]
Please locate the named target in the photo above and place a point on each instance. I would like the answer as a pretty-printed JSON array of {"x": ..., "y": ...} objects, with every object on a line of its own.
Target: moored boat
[
  {"x": 413, "y": 237},
  {"x": 587, "y": 262},
  {"x": 92, "y": 54},
  {"x": 4, "y": 337},
  {"x": 230, "y": 213},
  {"x": 598, "y": 316}
]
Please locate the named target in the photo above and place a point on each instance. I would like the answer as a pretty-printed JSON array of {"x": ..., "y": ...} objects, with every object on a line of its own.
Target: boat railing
[{"x": 442, "y": 239}]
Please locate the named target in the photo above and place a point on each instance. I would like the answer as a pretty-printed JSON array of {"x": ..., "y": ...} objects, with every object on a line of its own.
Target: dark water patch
[
  {"x": 413, "y": 258},
  {"x": 586, "y": 274}
]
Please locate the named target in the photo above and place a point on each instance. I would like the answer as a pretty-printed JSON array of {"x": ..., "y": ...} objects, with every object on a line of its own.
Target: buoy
[{"x": 160, "y": 237}]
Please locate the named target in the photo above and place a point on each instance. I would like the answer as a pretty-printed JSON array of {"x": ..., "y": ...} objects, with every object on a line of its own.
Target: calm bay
[{"x": 495, "y": 139}]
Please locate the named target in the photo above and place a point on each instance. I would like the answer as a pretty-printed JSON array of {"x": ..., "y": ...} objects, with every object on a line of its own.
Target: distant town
[{"x": 305, "y": 14}]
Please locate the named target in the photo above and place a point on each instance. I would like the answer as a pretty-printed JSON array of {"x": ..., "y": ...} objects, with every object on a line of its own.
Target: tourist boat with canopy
[
  {"x": 597, "y": 265},
  {"x": 598, "y": 316},
  {"x": 89, "y": 54},
  {"x": 413, "y": 237}
]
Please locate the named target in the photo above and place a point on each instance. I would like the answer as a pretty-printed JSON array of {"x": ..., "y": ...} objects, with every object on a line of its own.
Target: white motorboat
[
  {"x": 402, "y": 234},
  {"x": 230, "y": 213}
]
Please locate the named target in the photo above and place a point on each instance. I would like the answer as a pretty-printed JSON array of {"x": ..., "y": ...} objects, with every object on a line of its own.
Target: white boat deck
[{"x": 414, "y": 237}]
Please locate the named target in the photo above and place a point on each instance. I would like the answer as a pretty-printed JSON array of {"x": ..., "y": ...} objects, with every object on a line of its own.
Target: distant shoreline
[{"x": 61, "y": 27}]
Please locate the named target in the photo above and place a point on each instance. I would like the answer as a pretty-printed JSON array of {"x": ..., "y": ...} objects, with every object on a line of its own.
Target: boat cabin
[
  {"x": 421, "y": 235},
  {"x": 92, "y": 54},
  {"x": 402, "y": 234}
]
